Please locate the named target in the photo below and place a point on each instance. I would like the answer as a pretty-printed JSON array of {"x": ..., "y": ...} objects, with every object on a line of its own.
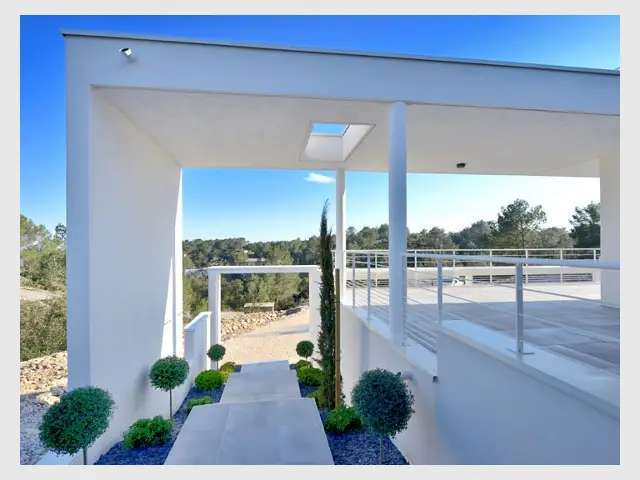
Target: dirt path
[{"x": 276, "y": 341}]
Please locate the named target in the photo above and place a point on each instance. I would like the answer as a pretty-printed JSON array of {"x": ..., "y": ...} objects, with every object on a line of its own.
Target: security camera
[
  {"x": 461, "y": 165},
  {"x": 126, "y": 51}
]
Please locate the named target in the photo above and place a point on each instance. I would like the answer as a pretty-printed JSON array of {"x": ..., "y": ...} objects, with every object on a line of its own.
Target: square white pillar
[
  {"x": 341, "y": 237},
  {"x": 124, "y": 257},
  {"x": 215, "y": 306},
  {"x": 397, "y": 219},
  {"x": 610, "y": 226}
]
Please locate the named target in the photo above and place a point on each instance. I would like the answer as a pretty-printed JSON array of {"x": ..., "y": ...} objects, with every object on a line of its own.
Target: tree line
[{"x": 517, "y": 225}]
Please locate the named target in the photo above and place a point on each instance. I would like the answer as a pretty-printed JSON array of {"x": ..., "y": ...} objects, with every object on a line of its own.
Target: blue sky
[{"x": 283, "y": 204}]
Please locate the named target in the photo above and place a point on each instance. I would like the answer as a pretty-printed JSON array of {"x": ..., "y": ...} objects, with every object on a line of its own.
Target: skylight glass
[{"x": 329, "y": 129}]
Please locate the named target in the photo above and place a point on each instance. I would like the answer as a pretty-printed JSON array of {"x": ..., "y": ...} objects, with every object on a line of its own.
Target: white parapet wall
[{"x": 478, "y": 404}]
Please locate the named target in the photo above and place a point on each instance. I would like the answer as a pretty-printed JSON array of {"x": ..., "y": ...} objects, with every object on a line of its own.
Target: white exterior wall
[
  {"x": 610, "y": 225},
  {"x": 481, "y": 410},
  {"x": 124, "y": 214}
]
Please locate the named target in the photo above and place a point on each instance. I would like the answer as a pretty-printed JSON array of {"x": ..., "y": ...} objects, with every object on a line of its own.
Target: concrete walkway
[{"x": 260, "y": 420}]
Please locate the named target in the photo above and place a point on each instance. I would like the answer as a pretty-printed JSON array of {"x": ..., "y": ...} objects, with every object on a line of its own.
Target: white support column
[
  {"x": 341, "y": 237},
  {"x": 397, "y": 218},
  {"x": 610, "y": 226},
  {"x": 215, "y": 302}
]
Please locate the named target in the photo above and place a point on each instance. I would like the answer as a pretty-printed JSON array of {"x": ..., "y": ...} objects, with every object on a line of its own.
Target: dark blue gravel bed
[
  {"x": 357, "y": 448},
  {"x": 118, "y": 455}
]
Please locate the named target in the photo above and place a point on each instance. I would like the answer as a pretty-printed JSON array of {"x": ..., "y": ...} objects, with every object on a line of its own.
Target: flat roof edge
[{"x": 285, "y": 48}]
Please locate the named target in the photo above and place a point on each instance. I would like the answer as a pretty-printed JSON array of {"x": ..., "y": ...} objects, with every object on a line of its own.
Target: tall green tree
[
  {"x": 518, "y": 225},
  {"x": 327, "y": 334},
  {"x": 585, "y": 224}
]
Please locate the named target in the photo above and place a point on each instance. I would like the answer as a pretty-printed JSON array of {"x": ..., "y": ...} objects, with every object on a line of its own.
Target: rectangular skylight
[{"x": 329, "y": 129}]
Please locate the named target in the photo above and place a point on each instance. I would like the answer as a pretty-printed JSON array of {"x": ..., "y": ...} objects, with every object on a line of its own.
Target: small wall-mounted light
[
  {"x": 461, "y": 165},
  {"x": 126, "y": 51}
]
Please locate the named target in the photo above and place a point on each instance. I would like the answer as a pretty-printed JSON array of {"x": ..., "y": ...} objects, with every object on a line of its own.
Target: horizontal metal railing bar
[
  {"x": 534, "y": 317},
  {"x": 511, "y": 287},
  {"x": 599, "y": 264}
]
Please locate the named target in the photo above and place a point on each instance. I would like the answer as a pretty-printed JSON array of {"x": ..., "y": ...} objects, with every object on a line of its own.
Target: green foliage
[
  {"x": 228, "y": 366},
  {"x": 312, "y": 377},
  {"x": 585, "y": 224},
  {"x": 326, "y": 335},
  {"x": 216, "y": 352},
  {"x": 304, "y": 348},
  {"x": 317, "y": 397},
  {"x": 302, "y": 364},
  {"x": 148, "y": 432},
  {"x": 195, "y": 402},
  {"x": 77, "y": 421},
  {"x": 169, "y": 372},
  {"x": 342, "y": 419},
  {"x": 209, "y": 380},
  {"x": 518, "y": 225},
  {"x": 43, "y": 327},
  {"x": 383, "y": 402}
]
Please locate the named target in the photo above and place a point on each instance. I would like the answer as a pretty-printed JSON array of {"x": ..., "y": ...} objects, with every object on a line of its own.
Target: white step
[{"x": 259, "y": 385}]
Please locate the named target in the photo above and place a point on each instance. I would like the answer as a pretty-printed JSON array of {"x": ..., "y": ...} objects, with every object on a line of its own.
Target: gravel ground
[
  {"x": 118, "y": 455},
  {"x": 276, "y": 341}
]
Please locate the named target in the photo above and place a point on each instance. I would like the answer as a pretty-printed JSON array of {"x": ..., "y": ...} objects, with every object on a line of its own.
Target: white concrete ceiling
[{"x": 261, "y": 132}]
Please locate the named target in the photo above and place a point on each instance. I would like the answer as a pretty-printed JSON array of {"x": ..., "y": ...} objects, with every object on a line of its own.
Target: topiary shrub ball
[
  {"x": 311, "y": 377},
  {"x": 168, "y": 373},
  {"x": 148, "y": 432},
  {"x": 216, "y": 352},
  {"x": 383, "y": 402},
  {"x": 209, "y": 380},
  {"x": 77, "y": 421},
  {"x": 304, "y": 348}
]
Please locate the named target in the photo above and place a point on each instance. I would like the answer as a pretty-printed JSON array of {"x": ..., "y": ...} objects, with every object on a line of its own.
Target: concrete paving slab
[
  {"x": 278, "y": 365},
  {"x": 280, "y": 432},
  {"x": 261, "y": 385}
]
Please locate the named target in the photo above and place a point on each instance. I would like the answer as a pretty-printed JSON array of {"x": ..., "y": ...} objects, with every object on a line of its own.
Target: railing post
[
  {"x": 526, "y": 267},
  {"x": 368, "y": 287},
  {"x": 453, "y": 265},
  {"x": 519, "y": 310},
  {"x": 353, "y": 277},
  {"x": 415, "y": 268},
  {"x": 440, "y": 306},
  {"x": 561, "y": 276},
  {"x": 490, "y": 268}
]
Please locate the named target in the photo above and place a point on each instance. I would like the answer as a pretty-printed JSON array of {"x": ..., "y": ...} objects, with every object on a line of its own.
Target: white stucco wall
[
  {"x": 480, "y": 410},
  {"x": 124, "y": 214},
  {"x": 610, "y": 225}
]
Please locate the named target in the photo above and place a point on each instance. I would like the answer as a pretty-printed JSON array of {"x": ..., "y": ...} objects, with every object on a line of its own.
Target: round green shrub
[
  {"x": 231, "y": 366},
  {"x": 342, "y": 419},
  {"x": 383, "y": 402},
  {"x": 310, "y": 376},
  {"x": 209, "y": 380},
  {"x": 302, "y": 364},
  {"x": 304, "y": 348},
  {"x": 169, "y": 373},
  {"x": 77, "y": 421},
  {"x": 195, "y": 402},
  {"x": 148, "y": 432},
  {"x": 216, "y": 352}
]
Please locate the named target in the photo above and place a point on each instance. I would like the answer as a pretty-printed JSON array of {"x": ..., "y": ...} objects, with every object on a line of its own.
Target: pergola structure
[{"x": 139, "y": 110}]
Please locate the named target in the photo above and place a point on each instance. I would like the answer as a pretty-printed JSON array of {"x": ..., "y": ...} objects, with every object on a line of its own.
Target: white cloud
[{"x": 317, "y": 178}]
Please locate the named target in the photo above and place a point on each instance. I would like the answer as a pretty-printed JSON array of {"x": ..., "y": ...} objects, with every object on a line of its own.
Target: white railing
[
  {"x": 490, "y": 270},
  {"x": 497, "y": 301}
]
